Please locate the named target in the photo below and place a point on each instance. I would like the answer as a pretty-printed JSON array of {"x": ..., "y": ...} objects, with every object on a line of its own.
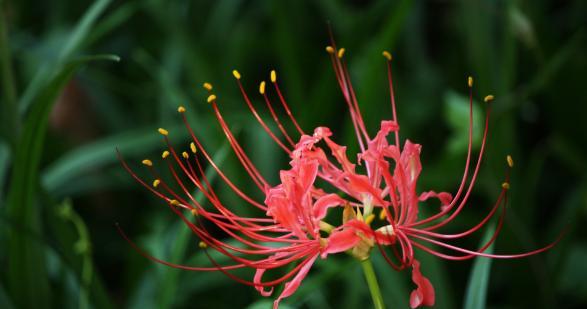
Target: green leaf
[
  {"x": 476, "y": 295},
  {"x": 4, "y": 164},
  {"x": 4, "y": 299},
  {"x": 96, "y": 155},
  {"x": 27, "y": 277},
  {"x": 71, "y": 45},
  {"x": 456, "y": 113},
  {"x": 76, "y": 249}
]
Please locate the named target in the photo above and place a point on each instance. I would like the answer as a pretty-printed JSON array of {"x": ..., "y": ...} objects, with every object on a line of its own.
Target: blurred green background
[{"x": 67, "y": 101}]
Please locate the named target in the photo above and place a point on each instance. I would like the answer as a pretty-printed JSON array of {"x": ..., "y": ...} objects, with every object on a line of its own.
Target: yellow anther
[
  {"x": 193, "y": 147},
  {"x": 207, "y": 86},
  {"x": 185, "y": 155},
  {"x": 165, "y": 154},
  {"x": 369, "y": 219},
  {"x": 341, "y": 52},
  {"x": 211, "y": 98},
  {"x": 488, "y": 98},
  {"x": 262, "y": 87},
  {"x": 194, "y": 212},
  {"x": 329, "y": 49},
  {"x": 470, "y": 81},
  {"x": 147, "y": 162},
  {"x": 174, "y": 202},
  {"x": 382, "y": 214},
  {"x": 387, "y": 55},
  {"x": 236, "y": 74},
  {"x": 163, "y": 131},
  {"x": 273, "y": 76},
  {"x": 156, "y": 183},
  {"x": 202, "y": 245},
  {"x": 510, "y": 161},
  {"x": 181, "y": 109},
  {"x": 505, "y": 185}
]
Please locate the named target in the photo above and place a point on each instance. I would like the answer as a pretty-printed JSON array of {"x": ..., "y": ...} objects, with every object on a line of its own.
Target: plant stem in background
[
  {"x": 8, "y": 100},
  {"x": 373, "y": 284}
]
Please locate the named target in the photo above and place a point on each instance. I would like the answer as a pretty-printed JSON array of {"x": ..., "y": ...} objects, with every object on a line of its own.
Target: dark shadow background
[{"x": 529, "y": 54}]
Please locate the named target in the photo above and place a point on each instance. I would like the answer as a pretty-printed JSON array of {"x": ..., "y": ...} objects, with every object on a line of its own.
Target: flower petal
[
  {"x": 292, "y": 286},
  {"x": 444, "y": 197},
  {"x": 257, "y": 279},
  {"x": 424, "y": 293},
  {"x": 340, "y": 241},
  {"x": 325, "y": 202}
]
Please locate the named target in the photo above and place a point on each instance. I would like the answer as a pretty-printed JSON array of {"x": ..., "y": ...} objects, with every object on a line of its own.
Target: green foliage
[
  {"x": 61, "y": 126},
  {"x": 476, "y": 295}
]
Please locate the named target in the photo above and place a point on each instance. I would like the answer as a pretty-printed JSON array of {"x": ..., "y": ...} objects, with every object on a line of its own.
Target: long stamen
[
  {"x": 455, "y": 200},
  {"x": 274, "y": 115},
  {"x": 230, "y": 184},
  {"x": 387, "y": 56},
  {"x": 284, "y": 103},
  {"x": 254, "y": 111},
  {"x": 243, "y": 158}
]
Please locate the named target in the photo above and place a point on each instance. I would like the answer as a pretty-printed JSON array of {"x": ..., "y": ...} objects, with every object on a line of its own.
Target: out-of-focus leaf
[
  {"x": 9, "y": 122},
  {"x": 66, "y": 260},
  {"x": 96, "y": 155},
  {"x": 4, "y": 299},
  {"x": 522, "y": 26},
  {"x": 26, "y": 259},
  {"x": 476, "y": 294},
  {"x": 70, "y": 46},
  {"x": 456, "y": 112},
  {"x": 266, "y": 303},
  {"x": 4, "y": 164},
  {"x": 573, "y": 273}
]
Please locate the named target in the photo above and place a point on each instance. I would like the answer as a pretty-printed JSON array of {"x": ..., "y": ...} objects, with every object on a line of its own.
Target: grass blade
[
  {"x": 476, "y": 295},
  {"x": 71, "y": 45},
  {"x": 27, "y": 277},
  {"x": 101, "y": 153}
]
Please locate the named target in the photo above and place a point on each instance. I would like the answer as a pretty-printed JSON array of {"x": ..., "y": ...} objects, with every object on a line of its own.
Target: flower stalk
[{"x": 372, "y": 283}]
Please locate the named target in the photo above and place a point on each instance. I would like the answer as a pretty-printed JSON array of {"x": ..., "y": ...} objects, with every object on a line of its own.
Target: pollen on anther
[
  {"x": 207, "y": 86},
  {"x": 510, "y": 161},
  {"x": 369, "y": 219},
  {"x": 382, "y": 214},
  {"x": 211, "y": 98},
  {"x": 470, "y": 81},
  {"x": 165, "y": 154},
  {"x": 236, "y": 74},
  {"x": 181, "y": 109},
  {"x": 147, "y": 162},
  {"x": 194, "y": 212},
  {"x": 387, "y": 55},
  {"x": 505, "y": 185},
  {"x": 330, "y": 49},
  {"x": 174, "y": 202},
  {"x": 156, "y": 183},
  {"x": 262, "y": 87},
  {"x": 163, "y": 131},
  {"x": 273, "y": 76},
  {"x": 341, "y": 52},
  {"x": 193, "y": 147},
  {"x": 202, "y": 245},
  {"x": 488, "y": 98}
]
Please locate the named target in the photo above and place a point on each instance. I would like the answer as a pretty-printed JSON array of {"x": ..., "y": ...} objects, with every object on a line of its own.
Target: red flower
[{"x": 293, "y": 229}]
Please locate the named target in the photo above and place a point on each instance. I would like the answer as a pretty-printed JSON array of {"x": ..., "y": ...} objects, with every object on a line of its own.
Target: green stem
[{"x": 372, "y": 283}]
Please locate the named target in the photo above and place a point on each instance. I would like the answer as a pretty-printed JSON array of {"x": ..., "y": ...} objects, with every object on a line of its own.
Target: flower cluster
[{"x": 375, "y": 197}]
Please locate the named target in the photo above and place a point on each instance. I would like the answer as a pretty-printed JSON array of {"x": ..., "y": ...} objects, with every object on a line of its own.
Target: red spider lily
[{"x": 293, "y": 230}]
